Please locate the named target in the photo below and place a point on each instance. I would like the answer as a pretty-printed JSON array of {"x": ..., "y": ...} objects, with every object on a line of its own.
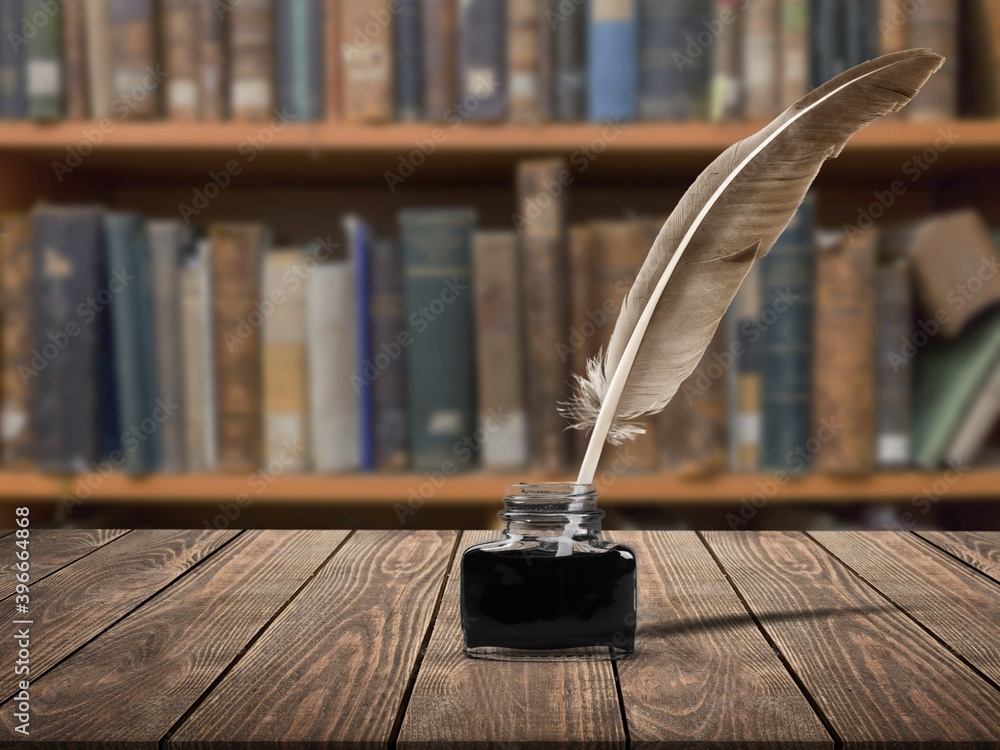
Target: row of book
[{"x": 478, "y": 60}]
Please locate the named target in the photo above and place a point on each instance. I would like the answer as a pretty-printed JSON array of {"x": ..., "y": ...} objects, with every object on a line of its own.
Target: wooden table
[{"x": 222, "y": 638}]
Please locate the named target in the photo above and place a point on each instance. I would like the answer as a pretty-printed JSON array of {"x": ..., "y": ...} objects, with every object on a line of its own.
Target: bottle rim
[{"x": 550, "y": 492}]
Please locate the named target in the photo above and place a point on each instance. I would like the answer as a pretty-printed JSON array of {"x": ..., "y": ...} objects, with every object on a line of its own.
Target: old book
[
  {"x": 673, "y": 82},
  {"x": 366, "y": 67},
  {"x": 440, "y": 20},
  {"x": 237, "y": 252},
  {"x": 388, "y": 357},
  {"x": 794, "y": 50},
  {"x": 212, "y": 56},
  {"x": 43, "y": 75},
  {"x": 569, "y": 47},
  {"x": 408, "y": 54},
  {"x": 67, "y": 242},
  {"x": 523, "y": 64},
  {"x": 358, "y": 235},
  {"x": 973, "y": 431},
  {"x": 612, "y": 68},
  {"x": 892, "y": 26},
  {"x": 13, "y": 97},
  {"x": 541, "y": 226},
  {"x": 284, "y": 367},
  {"x": 761, "y": 59},
  {"x": 133, "y": 54},
  {"x": 787, "y": 274},
  {"x": 955, "y": 267},
  {"x": 934, "y": 24},
  {"x": 17, "y": 322},
  {"x": 726, "y": 96},
  {"x": 743, "y": 388},
  {"x": 978, "y": 84},
  {"x": 502, "y": 416},
  {"x": 844, "y": 356},
  {"x": 992, "y": 10},
  {"x": 334, "y": 413},
  {"x": 438, "y": 305},
  {"x": 142, "y": 411},
  {"x": 333, "y": 58},
  {"x": 827, "y": 33},
  {"x": 169, "y": 241},
  {"x": 180, "y": 31},
  {"x": 98, "y": 45},
  {"x": 300, "y": 59},
  {"x": 482, "y": 58},
  {"x": 251, "y": 59},
  {"x": 574, "y": 350},
  {"x": 196, "y": 334},
  {"x": 546, "y": 19},
  {"x": 74, "y": 59},
  {"x": 894, "y": 370}
]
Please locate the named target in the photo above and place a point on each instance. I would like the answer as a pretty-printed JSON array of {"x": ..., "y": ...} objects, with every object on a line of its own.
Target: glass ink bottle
[{"x": 552, "y": 588}]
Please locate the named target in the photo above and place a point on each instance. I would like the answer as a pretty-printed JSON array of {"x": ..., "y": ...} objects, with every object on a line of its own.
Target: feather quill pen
[{"x": 727, "y": 220}]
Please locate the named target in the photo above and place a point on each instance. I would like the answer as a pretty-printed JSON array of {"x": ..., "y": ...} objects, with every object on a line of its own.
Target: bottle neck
[{"x": 551, "y": 510}]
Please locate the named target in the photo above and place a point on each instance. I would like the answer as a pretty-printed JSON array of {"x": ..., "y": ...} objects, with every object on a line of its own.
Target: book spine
[
  {"x": 570, "y": 55},
  {"x": 612, "y": 69},
  {"x": 367, "y": 68},
  {"x": 193, "y": 332},
  {"x": 251, "y": 55},
  {"x": 135, "y": 367},
  {"x": 334, "y": 407},
  {"x": 523, "y": 62},
  {"x": 109, "y": 435},
  {"x": 387, "y": 327},
  {"x": 761, "y": 58},
  {"x": 17, "y": 300},
  {"x": 543, "y": 281},
  {"x": 284, "y": 364},
  {"x": 212, "y": 62},
  {"x": 482, "y": 59},
  {"x": 894, "y": 325},
  {"x": 794, "y": 51},
  {"x": 786, "y": 368},
  {"x": 502, "y": 414},
  {"x": 726, "y": 97},
  {"x": 409, "y": 52},
  {"x": 844, "y": 366},
  {"x": 75, "y": 66},
  {"x": 13, "y": 97},
  {"x": 133, "y": 55},
  {"x": 439, "y": 20},
  {"x": 438, "y": 307},
  {"x": 181, "y": 43},
  {"x": 892, "y": 26},
  {"x": 168, "y": 241},
  {"x": 96, "y": 18},
  {"x": 545, "y": 109},
  {"x": 43, "y": 75},
  {"x": 574, "y": 348},
  {"x": 359, "y": 241},
  {"x": 826, "y": 38},
  {"x": 673, "y": 84},
  {"x": 934, "y": 24},
  {"x": 209, "y": 403},
  {"x": 744, "y": 381},
  {"x": 237, "y": 251},
  {"x": 299, "y": 53},
  {"x": 333, "y": 57}
]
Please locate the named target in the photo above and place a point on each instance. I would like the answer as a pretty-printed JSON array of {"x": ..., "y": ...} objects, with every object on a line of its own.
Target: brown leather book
[
  {"x": 237, "y": 252},
  {"x": 844, "y": 357},
  {"x": 934, "y": 24},
  {"x": 333, "y": 59},
  {"x": 440, "y": 18},
  {"x": 133, "y": 55},
  {"x": 251, "y": 60},
  {"x": 74, "y": 64},
  {"x": 523, "y": 48},
  {"x": 212, "y": 62},
  {"x": 540, "y": 222},
  {"x": 181, "y": 47},
  {"x": 574, "y": 347},
  {"x": 18, "y": 339},
  {"x": 366, "y": 61}
]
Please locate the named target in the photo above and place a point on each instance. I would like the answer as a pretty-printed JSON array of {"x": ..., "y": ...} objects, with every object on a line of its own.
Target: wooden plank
[
  {"x": 335, "y": 665},
  {"x": 980, "y": 549},
  {"x": 875, "y": 675},
  {"x": 704, "y": 674},
  {"x": 463, "y": 702},
  {"x": 74, "y": 604},
  {"x": 50, "y": 550},
  {"x": 957, "y": 604},
  {"x": 135, "y": 682}
]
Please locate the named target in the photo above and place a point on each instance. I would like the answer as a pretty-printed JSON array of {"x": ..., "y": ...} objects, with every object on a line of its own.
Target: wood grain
[
  {"x": 77, "y": 602},
  {"x": 144, "y": 673},
  {"x": 980, "y": 549},
  {"x": 874, "y": 673},
  {"x": 957, "y": 604},
  {"x": 334, "y": 666},
  {"x": 703, "y": 673},
  {"x": 50, "y": 550},
  {"x": 462, "y": 702}
]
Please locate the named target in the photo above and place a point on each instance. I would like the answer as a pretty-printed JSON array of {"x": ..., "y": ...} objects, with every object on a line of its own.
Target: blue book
[
  {"x": 299, "y": 58},
  {"x": 786, "y": 320},
  {"x": 359, "y": 245},
  {"x": 13, "y": 99},
  {"x": 613, "y": 67},
  {"x": 127, "y": 247}
]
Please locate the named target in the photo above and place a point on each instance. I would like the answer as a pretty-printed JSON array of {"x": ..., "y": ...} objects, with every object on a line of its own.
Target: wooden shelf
[{"x": 484, "y": 489}]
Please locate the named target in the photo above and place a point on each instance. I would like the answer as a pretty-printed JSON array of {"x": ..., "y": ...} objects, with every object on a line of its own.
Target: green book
[
  {"x": 948, "y": 377},
  {"x": 43, "y": 72}
]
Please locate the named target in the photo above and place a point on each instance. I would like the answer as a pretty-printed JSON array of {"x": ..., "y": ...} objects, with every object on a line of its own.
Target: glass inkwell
[{"x": 552, "y": 588}]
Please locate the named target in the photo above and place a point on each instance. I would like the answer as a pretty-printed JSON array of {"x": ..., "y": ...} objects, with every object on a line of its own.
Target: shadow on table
[{"x": 765, "y": 618}]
